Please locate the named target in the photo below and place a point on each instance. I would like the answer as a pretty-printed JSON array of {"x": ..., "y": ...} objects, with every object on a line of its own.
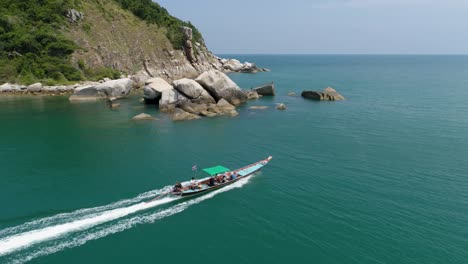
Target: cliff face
[{"x": 109, "y": 36}]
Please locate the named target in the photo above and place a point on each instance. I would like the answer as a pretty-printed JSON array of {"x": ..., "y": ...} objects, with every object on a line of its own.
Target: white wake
[{"x": 89, "y": 218}]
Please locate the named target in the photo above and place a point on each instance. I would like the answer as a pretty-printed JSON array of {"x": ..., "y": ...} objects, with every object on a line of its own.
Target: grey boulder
[
  {"x": 266, "y": 89},
  {"x": 120, "y": 88},
  {"x": 281, "y": 106},
  {"x": 170, "y": 99},
  {"x": 328, "y": 94},
  {"x": 154, "y": 88},
  {"x": 8, "y": 87},
  {"x": 115, "y": 88},
  {"x": 232, "y": 65},
  {"x": 86, "y": 93},
  {"x": 143, "y": 116},
  {"x": 35, "y": 88},
  {"x": 193, "y": 91},
  {"x": 219, "y": 85},
  {"x": 251, "y": 95}
]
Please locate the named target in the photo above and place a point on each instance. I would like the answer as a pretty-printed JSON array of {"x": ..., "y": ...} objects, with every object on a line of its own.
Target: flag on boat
[{"x": 194, "y": 167}]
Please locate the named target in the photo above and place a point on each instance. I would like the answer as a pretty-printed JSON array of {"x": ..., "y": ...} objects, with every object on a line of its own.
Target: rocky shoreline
[{"x": 210, "y": 94}]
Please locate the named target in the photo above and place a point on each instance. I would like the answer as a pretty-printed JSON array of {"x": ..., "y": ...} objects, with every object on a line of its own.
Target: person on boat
[
  {"x": 177, "y": 187},
  {"x": 212, "y": 182},
  {"x": 193, "y": 184},
  {"x": 233, "y": 176},
  {"x": 219, "y": 178}
]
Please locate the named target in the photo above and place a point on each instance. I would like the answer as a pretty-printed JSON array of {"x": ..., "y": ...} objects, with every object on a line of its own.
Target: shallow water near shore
[{"x": 378, "y": 178}]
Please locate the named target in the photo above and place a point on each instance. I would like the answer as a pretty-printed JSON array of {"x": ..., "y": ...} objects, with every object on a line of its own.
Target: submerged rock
[
  {"x": 281, "y": 106},
  {"x": 219, "y": 85},
  {"x": 258, "y": 107},
  {"x": 143, "y": 116},
  {"x": 266, "y": 89},
  {"x": 193, "y": 107},
  {"x": 328, "y": 94},
  {"x": 180, "y": 115}
]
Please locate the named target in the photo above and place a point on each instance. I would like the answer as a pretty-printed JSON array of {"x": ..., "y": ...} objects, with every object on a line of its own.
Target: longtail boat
[{"x": 219, "y": 176}]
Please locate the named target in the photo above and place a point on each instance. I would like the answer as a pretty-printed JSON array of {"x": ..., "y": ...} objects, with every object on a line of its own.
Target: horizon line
[{"x": 351, "y": 54}]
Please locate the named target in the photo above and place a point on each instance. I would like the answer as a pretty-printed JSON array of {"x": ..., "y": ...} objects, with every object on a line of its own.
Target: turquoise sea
[{"x": 381, "y": 177}]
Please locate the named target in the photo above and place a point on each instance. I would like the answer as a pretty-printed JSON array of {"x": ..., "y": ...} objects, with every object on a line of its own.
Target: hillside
[{"x": 57, "y": 41}]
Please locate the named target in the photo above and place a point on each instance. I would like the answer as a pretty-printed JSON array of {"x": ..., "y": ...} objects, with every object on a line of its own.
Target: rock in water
[
  {"x": 219, "y": 85},
  {"x": 232, "y": 65},
  {"x": 333, "y": 93},
  {"x": 143, "y": 116},
  {"x": 170, "y": 99},
  {"x": 328, "y": 94},
  {"x": 193, "y": 107},
  {"x": 193, "y": 91},
  {"x": 116, "y": 88},
  {"x": 120, "y": 88},
  {"x": 113, "y": 102},
  {"x": 281, "y": 106},
  {"x": 258, "y": 107},
  {"x": 226, "y": 108},
  {"x": 86, "y": 93},
  {"x": 154, "y": 88},
  {"x": 266, "y": 89},
  {"x": 251, "y": 95},
  {"x": 180, "y": 115}
]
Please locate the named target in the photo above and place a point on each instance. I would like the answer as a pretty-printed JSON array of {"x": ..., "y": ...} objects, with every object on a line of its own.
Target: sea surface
[{"x": 381, "y": 177}]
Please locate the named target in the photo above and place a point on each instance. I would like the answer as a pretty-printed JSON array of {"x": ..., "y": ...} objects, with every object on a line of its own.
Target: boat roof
[{"x": 215, "y": 170}]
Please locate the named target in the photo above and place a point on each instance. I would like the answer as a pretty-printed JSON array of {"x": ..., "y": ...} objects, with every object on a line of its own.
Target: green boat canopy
[{"x": 215, "y": 170}]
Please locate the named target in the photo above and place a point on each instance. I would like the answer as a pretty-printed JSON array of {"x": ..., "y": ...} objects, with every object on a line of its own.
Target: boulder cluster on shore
[
  {"x": 212, "y": 93},
  {"x": 37, "y": 88}
]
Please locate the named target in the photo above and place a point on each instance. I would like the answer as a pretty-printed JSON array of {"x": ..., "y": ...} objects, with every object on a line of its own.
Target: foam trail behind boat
[
  {"x": 18, "y": 241},
  {"x": 78, "y": 214},
  {"x": 122, "y": 225}
]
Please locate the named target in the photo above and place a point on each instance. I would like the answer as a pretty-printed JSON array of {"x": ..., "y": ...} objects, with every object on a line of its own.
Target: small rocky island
[
  {"x": 328, "y": 94},
  {"x": 211, "y": 94}
]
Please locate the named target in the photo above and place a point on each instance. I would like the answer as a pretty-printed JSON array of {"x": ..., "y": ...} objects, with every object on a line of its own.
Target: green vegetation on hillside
[
  {"x": 31, "y": 47},
  {"x": 152, "y": 12}
]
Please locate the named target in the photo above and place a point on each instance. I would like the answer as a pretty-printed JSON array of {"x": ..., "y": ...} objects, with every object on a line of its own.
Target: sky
[{"x": 328, "y": 26}]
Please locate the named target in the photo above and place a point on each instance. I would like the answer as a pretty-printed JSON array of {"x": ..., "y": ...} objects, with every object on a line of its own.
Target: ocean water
[{"x": 381, "y": 177}]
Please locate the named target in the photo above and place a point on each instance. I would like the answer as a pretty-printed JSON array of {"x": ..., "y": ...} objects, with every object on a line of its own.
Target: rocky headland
[{"x": 152, "y": 53}]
